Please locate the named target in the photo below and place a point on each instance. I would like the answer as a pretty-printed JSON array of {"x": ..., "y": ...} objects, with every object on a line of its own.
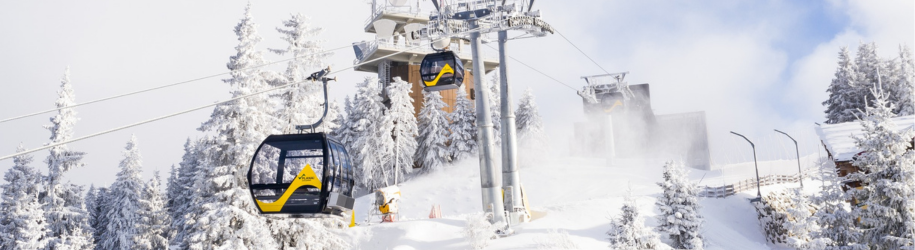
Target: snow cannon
[{"x": 386, "y": 199}]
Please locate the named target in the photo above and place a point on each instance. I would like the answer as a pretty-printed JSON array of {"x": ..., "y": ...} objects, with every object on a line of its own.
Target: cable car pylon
[{"x": 501, "y": 190}]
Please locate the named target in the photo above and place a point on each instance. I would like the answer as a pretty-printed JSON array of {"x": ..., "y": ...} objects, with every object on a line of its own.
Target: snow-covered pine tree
[
  {"x": 307, "y": 233},
  {"x": 844, "y": 97},
  {"x": 302, "y": 104},
  {"x": 887, "y": 178},
  {"x": 334, "y": 119},
  {"x": 184, "y": 191},
  {"x": 100, "y": 225},
  {"x": 679, "y": 206},
  {"x": 628, "y": 232},
  {"x": 344, "y": 132},
  {"x": 531, "y": 137},
  {"x": 92, "y": 207},
  {"x": 495, "y": 109},
  {"x": 226, "y": 217},
  {"x": 837, "y": 230},
  {"x": 462, "y": 140},
  {"x": 172, "y": 191},
  {"x": 22, "y": 222},
  {"x": 402, "y": 119},
  {"x": 153, "y": 228},
  {"x": 125, "y": 210},
  {"x": 432, "y": 152},
  {"x": 68, "y": 225},
  {"x": 800, "y": 223},
  {"x": 372, "y": 145},
  {"x": 872, "y": 72},
  {"x": 904, "y": 86}
]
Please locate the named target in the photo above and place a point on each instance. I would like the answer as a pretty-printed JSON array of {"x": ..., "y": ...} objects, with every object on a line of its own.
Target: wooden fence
[{"x": 728, "y": 190}]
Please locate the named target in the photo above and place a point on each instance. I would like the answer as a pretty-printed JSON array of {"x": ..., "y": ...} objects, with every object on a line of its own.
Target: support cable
[
  {"x": 209, "y": 105},
  {"x": 166, "y": 85},
  {"x": 579, "y": 50},
  {"x": 534, "y": 69}
]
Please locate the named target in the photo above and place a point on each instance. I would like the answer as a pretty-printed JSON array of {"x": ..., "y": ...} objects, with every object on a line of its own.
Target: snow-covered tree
[
  {"x": 334, "y": 119},
  {"x": 153, "y": 228},
  {"x": 307, "y": 233},
  {"x": 679, "y": 206},
  {"x": 478, "y": 230},
  {"x": 224, "y": 213},
  {"x": 433, "y": 133},
  {"x": 100, "y": 224},
  {"x": 401, "y": 118},
  {"x": 22, "y": 222},
  {"x": 462, "y": 140},
  {"x": 903, "y": 86},
  {"x": 301, "y": 104},
  {"x": 344, "y": 132},
  {"x": 887, "y": 178},
  {"x": 125, "y": 210},
  {"x": 373, "y": 145},
  {"x": 872, "y": 73},
  {"x": 531, "y": 137},
  {"x": 837, "y": 230},
  {"x": 628, "y": 232},
  {"x": 92, "y": 207},
  {"x": 68, "y": 222},
  {"x": 800, "y": 222},
  {"x": 182, "y": 191},
  {"x": 844, "y": 98}
]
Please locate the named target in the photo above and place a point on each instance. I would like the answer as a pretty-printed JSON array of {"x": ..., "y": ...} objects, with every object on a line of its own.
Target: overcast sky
[{"x": 750, "y": 65}]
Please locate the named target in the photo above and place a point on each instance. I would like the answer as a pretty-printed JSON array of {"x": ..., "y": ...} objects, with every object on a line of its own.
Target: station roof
[{"x": 839, "y": 138}]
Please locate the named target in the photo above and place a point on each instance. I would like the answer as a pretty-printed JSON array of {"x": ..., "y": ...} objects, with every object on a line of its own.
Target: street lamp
[
  {"x": 798, "y": 154},
  {"x": 758, "y": 192}
]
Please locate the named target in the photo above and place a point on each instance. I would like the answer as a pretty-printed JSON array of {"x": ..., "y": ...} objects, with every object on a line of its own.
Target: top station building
[{"x": 391, "y": 21}]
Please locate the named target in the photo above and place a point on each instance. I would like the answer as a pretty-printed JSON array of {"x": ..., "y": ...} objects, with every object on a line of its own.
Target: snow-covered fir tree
[
  {"x": 903, "y": 86},
  {"x": 844, "y": 98},
  {"x": 679, "y": 206},
  {"x": 402, "y": 119},
  {"x": 837, "y": 230},
  {"x": 301, "y": 104},
  {"x": 334, "y": 119},
  {"x": 182, "y": 191},
  {"x": 153, "y": 228},
  {"x": 372, "y": 147},
  {"x": 462, "y": 140},
  {"x": 92, "y": 207},
  {"x": 172, "y": 191},
  {"x": 628, "y": 231},
  {"x": 22, "y": 222},
  {"x": 307, "y": 233},
  {"x": 872, "y": 72},
  {"x": 887, "y": 178},
  {"x": 125, "y": 210},
  {"x": 495, "y": 109},
  {"x": 100, "y": 224},
  {"x": 531, "y": 136},
  {"x": 225, "y": 215},
  {"x": 344, "y": 132},
  {"x": 68, "y": 221},
  {"x": 432, "y": 152},
  {"x": 801, "y": 223}
]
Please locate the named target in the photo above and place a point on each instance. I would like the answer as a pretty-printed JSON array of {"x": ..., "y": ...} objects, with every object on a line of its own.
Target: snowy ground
[{"x": 576, "y": 195}]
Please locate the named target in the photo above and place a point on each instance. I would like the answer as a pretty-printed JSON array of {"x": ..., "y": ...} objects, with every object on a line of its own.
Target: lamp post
[
  {"x": 798, "y": 154},
  {"x": 758, "y": 192}
]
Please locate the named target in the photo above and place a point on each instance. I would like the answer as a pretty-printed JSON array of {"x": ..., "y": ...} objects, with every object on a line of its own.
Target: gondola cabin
[
  {"x": 441, "y": 71},
  {"x": 304, "y": 175}
]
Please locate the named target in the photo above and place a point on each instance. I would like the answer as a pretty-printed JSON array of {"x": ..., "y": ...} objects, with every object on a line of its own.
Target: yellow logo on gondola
[
  {"x": 306, "y": 177},
  {"x": 446, "y": 69},
  {"x": 617, "y": 103}
]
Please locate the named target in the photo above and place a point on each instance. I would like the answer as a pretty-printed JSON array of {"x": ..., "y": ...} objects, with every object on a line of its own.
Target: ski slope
[{"x": 575, "y": 195}]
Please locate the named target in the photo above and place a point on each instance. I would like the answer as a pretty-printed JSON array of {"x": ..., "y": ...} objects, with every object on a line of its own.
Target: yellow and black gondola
[{"x": 442, "y": 71}]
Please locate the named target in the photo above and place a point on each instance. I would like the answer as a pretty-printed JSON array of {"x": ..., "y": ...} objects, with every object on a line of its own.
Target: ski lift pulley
[
  {"x": 303, "y": 175},
  {"x": 442, "y": 71}
]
